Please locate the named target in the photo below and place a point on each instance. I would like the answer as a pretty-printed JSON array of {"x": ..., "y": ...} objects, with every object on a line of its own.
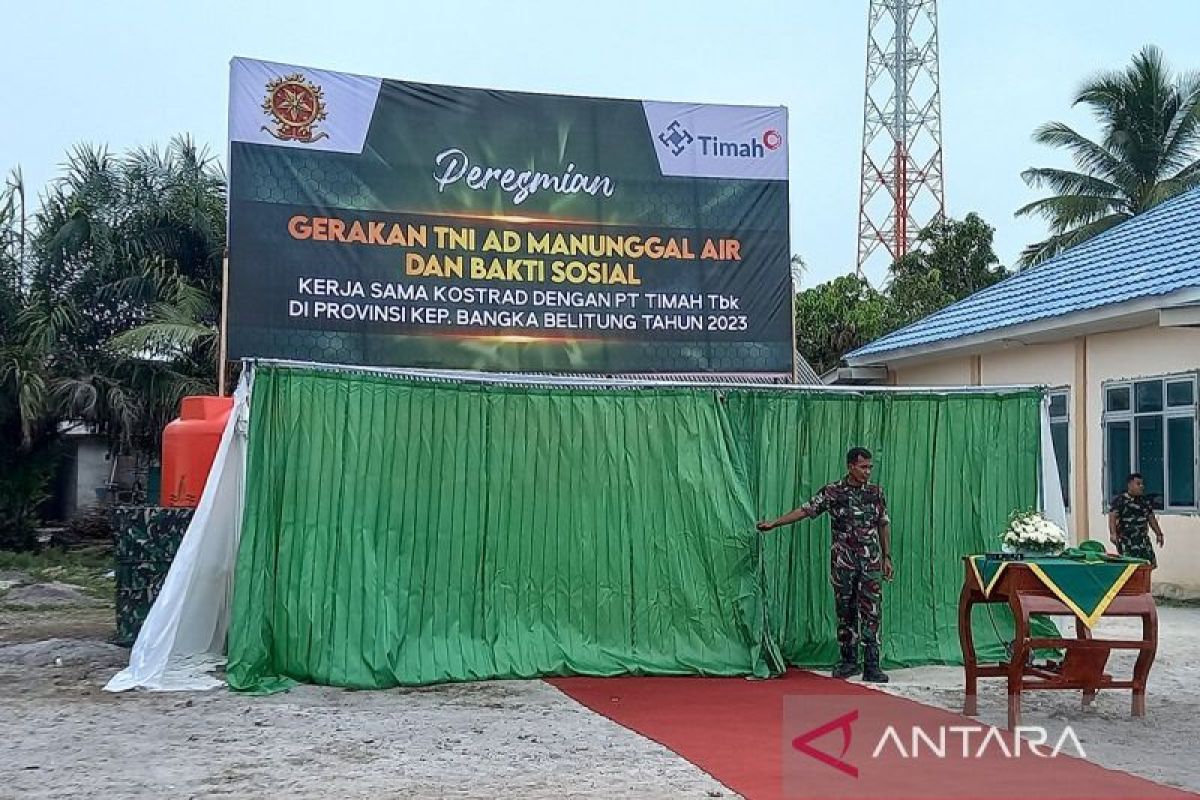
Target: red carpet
[{"x": 833, "y": 740}]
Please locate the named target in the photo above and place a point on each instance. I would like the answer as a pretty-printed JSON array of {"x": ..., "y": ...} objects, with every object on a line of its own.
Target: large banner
[{"x": 386, "y": 223}]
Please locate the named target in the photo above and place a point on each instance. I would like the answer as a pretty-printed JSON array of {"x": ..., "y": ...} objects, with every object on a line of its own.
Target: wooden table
[{"x": 1085, "y": 657}]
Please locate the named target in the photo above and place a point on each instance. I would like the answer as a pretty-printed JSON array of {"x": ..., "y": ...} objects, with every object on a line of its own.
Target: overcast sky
[{"x": 136, "y": 73}]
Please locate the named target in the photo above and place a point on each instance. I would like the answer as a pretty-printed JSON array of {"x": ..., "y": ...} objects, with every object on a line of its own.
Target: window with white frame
[
  {"x": 1060, "y": 426},
  {"x": 1150, "y": 426}
]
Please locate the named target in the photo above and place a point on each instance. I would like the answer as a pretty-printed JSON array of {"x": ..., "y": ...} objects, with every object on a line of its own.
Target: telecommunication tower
[{"x": 901, "y": 187}]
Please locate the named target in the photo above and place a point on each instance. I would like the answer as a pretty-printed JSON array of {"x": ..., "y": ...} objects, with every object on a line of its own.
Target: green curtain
[
  {"x": 407, "y": 533},
  {"x": 952, "y": 466},
  {"x": 410, "y": 532}
]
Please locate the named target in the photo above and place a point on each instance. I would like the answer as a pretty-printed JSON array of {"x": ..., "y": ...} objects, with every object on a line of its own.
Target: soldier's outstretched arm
[
  {"x": 815, "y": 507},
  {"x": 793, "y": 516}
]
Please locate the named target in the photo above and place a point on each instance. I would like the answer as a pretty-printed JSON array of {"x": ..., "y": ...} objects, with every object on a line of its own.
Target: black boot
[
  {"x": 848, "y": 666},
  {"x": 871, "y": 671}
]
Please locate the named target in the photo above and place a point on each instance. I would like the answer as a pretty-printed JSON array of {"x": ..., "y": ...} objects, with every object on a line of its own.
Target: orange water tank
[{"x": 189, "y": 446}]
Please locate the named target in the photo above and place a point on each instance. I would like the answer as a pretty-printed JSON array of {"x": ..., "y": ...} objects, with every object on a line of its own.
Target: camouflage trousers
[
  {"x": 857, "y": 596},
  {"x": 1137, "y": 546}
]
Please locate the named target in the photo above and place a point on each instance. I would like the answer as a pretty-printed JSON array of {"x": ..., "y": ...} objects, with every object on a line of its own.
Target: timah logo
[{"x": 677, "y": 138}]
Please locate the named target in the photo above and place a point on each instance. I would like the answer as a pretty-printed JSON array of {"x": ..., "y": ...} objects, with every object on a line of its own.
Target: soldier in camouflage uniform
[
  {"x": 1130, "y": 517},
  {"x": 860, "y": 559}
]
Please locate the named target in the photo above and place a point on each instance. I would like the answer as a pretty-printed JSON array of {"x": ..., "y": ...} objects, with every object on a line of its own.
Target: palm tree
[
  {"x": 22, "y": 379},
  {"x": 1147, "y": 153},
  {"x": 108, "y": 308},
  {"x": 27, "y": 453},
  {"x": 125, "y": 286}
]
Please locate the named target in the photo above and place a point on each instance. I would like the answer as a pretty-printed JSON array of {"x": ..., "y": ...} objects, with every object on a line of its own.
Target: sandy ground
[
  {"x": 64, "y": 737},
  {"x": 1163, "y": 746}
]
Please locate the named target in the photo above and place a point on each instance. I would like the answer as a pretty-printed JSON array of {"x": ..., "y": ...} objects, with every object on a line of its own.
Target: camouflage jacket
[
  {"x": 1133, "y": 515},
  {"x": 856, "y": 514}
]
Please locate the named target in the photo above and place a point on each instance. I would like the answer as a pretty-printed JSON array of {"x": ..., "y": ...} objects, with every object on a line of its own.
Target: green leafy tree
[
  {"x": 953, "y": 259},
  {"x": 1148, "y": 151},
  {"x": 836, "y": 317}
]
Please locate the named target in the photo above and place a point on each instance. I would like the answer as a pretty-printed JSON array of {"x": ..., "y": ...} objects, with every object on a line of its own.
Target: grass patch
[{"x": 88, "y": 567}]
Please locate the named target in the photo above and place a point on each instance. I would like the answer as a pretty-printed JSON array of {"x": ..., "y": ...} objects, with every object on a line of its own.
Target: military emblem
[{"x": 297, "y": 106}]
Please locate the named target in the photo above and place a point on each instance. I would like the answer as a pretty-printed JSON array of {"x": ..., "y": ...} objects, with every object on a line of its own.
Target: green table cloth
[{"x": 1087, "y": 587}]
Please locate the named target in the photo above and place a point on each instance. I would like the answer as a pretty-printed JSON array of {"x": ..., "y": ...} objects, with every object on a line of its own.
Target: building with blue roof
[{"x": 1112, "y": 327}]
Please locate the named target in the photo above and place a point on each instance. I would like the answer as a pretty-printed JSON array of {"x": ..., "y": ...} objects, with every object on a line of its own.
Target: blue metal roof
[{"x": 1155, "y": 253}]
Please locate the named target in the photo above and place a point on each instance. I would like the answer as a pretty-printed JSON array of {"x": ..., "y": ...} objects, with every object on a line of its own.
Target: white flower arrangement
[{"x": 1030, "y": 532}]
